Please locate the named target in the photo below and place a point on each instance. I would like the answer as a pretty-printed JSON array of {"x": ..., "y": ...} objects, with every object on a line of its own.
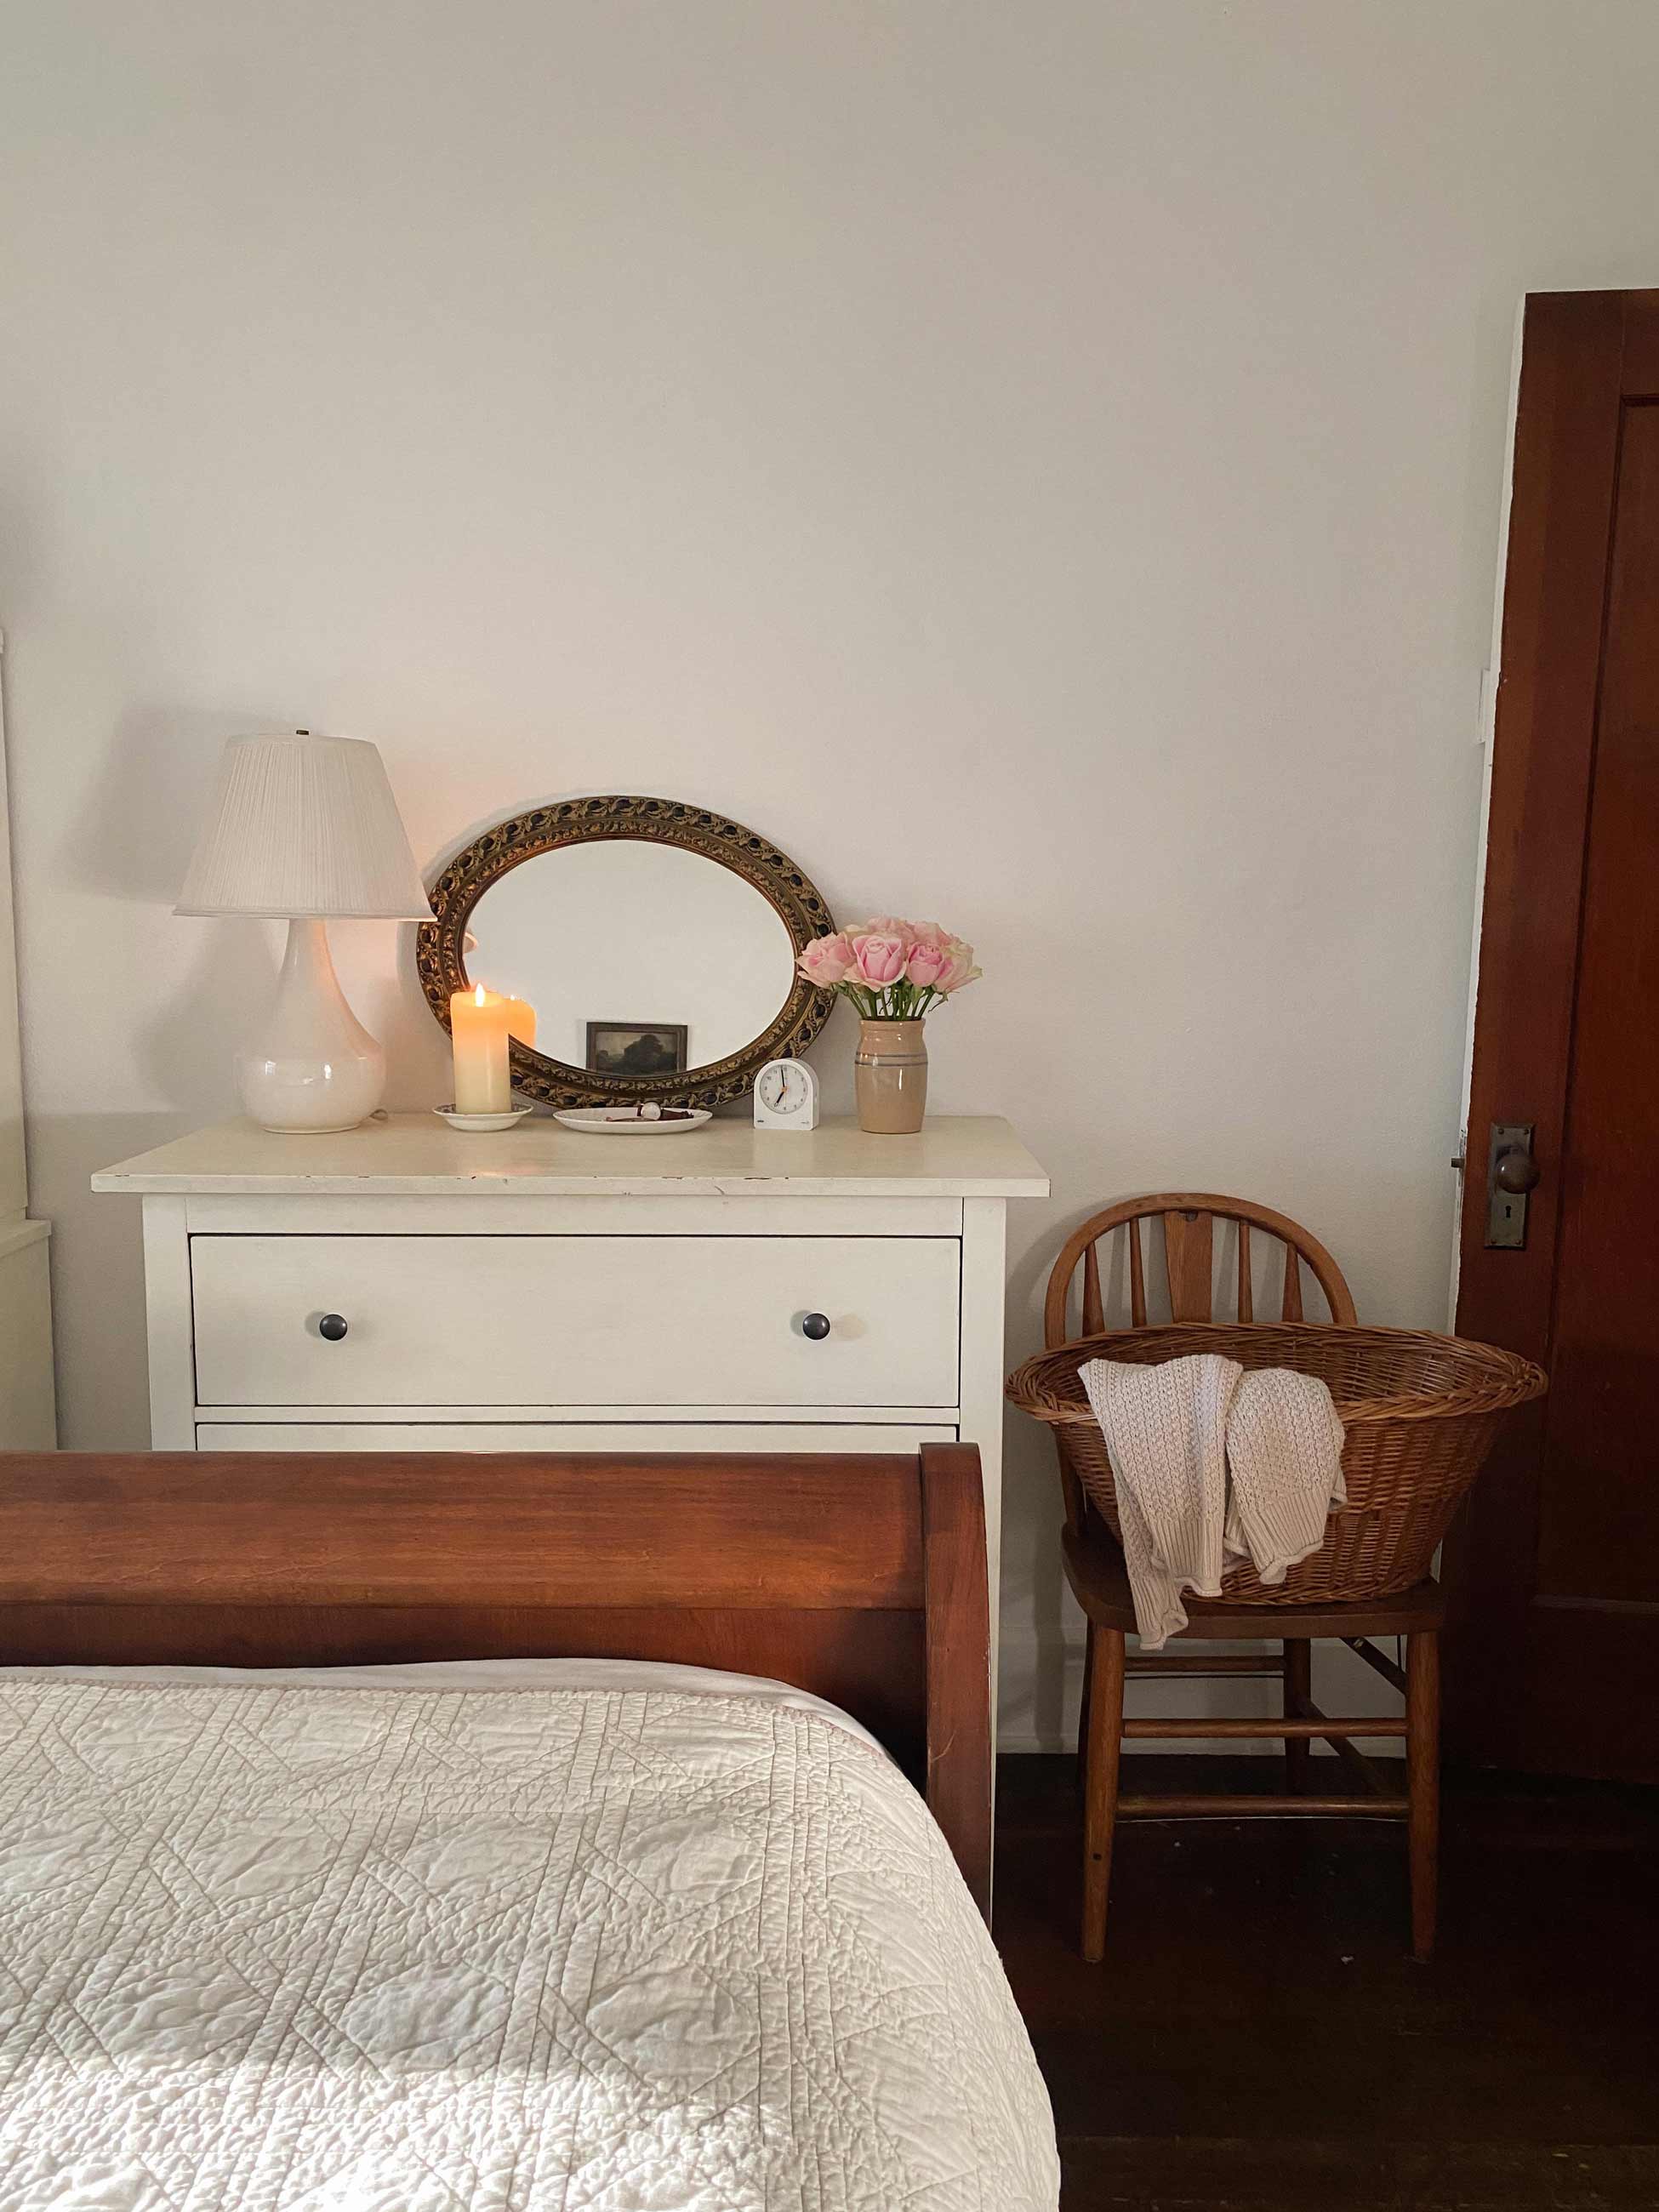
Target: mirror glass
[{"x": 640, "y": 958}]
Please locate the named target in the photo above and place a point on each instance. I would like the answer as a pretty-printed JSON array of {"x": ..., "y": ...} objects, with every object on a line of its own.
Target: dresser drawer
[{"x": 574, "y": 1321}]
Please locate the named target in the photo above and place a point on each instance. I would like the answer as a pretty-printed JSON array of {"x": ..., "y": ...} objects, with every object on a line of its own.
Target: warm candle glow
[
  {"x": 521, "y": 1014},
  {"x": 478, "y": 1022}
]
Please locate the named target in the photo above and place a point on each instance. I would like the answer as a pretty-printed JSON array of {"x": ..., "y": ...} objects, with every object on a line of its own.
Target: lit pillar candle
[
  {"x": 522, "y": 1020},
  {"x": 477, "y": 1023}
]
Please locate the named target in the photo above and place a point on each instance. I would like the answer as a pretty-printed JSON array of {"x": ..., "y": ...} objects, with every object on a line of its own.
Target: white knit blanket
[
  {"x": 1214, "y": 1463},
  {"x": 294, "y": 1949}
]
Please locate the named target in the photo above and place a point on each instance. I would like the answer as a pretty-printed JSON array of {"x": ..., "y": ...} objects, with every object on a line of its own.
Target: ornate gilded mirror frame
[{"x": 440, "y": 950}]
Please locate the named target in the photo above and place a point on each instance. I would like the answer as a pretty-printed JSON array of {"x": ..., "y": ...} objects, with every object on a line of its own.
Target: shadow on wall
[
  {"x": 133, "y": 836},
  {"x": 203, "y": 1023},
  {"x": 1049, "y": 1624},
  {"x": 417, "y": 1047},
  {"x": 98, "y": 1274}
]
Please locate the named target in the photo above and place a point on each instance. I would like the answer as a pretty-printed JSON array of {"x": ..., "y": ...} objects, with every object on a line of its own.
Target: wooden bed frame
[{"x": 857, "y": 1577}]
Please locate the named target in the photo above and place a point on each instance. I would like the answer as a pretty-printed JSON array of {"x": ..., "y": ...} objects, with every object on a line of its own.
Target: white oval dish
[{"x": 624, "y": 1121}]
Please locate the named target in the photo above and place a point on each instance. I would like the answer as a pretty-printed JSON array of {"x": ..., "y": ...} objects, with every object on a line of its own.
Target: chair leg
[
  {"x": 1100, "y": 1788},
  {"x": 1083, "y": 1708},
  {"x": 1422, "y": 1783},
  {"x": 1299, "y": 1684}
]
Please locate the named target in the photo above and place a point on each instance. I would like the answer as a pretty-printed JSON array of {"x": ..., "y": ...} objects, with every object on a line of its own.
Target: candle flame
[{"x": 481, "y": 997}]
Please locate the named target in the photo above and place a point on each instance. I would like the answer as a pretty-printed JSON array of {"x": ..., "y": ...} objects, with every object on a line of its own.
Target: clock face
[{"x": 784, "y": 1087}]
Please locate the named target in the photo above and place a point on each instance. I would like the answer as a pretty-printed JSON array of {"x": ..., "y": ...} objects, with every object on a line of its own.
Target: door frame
[
  {"x": 1487, "y": 733},
  {"x": 1582, "y": 356}
]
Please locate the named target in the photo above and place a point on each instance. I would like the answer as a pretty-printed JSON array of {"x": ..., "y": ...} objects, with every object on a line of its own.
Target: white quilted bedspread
[{"x": 306, "y": 1950}]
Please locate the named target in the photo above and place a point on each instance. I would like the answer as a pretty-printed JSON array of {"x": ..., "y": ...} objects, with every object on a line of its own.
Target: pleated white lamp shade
[{"x": 304, "y": 827}]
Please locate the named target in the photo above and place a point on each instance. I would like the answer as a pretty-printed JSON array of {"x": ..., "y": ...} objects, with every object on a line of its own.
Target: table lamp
[{"x": 302, "y": 829}]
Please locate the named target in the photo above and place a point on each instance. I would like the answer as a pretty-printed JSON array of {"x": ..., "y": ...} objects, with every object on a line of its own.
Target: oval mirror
[{"x": 655, "y": 942}]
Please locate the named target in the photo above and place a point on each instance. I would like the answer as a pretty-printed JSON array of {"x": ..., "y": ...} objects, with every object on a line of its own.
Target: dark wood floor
[{"x": 1258, "y": 2040}]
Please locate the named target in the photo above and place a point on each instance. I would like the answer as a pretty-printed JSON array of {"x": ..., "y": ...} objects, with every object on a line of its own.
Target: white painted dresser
[{"x": 405, "y": 1285}]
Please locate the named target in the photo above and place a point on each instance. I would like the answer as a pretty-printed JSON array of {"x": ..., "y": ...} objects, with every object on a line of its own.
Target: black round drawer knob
[
  {"x": 332, "y": 1327},
  {"x": 817, "y": 1326}
]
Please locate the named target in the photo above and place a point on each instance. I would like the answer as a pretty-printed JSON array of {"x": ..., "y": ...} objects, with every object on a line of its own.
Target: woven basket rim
[{"x": 1497, "y": 1380}]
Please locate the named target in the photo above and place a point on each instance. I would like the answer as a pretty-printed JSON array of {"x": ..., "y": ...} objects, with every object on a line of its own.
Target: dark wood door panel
[
  {"x": 1599, "y": 1533},
  {"x": 1553, "y": 1659},
  {"x": 1566, "y": 455}
]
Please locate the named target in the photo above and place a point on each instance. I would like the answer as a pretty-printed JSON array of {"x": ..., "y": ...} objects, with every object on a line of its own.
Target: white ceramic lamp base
[{"x": 314, "y": 1067}]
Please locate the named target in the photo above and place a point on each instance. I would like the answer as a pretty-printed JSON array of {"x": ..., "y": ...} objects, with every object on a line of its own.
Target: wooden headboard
[{"x": 857, "y": 1577}]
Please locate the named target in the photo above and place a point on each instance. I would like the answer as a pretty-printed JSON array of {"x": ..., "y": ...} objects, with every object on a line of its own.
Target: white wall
[
  {"x": 26, "y": 1408},
  {"x": 1038, "y": 463},
  {"x": 14, "y": 1164}
]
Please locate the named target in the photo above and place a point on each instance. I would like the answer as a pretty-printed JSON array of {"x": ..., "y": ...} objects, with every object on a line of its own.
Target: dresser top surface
[{"x": 411, "y": 1155}]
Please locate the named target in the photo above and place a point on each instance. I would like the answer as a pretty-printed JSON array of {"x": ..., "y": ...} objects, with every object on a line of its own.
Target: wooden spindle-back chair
[
  {"x": 1190, "y": 1219},
  {"x": 1094, "y": 1569}
]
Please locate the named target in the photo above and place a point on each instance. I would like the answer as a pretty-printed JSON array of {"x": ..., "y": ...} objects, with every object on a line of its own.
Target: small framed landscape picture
[{"x": 636, "y": 1048}]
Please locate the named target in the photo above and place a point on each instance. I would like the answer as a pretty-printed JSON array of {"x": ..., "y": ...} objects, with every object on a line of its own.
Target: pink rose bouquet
[{"x": 892, "y": 969}]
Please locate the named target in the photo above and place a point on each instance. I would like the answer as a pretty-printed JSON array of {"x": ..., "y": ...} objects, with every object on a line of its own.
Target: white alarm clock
[{"x": 786, "y": 1096}]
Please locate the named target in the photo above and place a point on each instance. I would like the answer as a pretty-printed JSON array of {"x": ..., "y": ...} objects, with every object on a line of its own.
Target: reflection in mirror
[
  {"x": 655, "y": 940},
  {"x": 640, "y": 940}
]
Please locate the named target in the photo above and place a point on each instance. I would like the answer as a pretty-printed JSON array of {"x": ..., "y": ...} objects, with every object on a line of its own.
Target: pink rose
[
  {"x": 926, "y": 964},
  {"x": 930, "y": 933},
  {"x": 828, "y": 960},
  {"x": 959, "y": 967},
  {"x": 886, "y": 924},
  {"x": 880, "y": 959}
]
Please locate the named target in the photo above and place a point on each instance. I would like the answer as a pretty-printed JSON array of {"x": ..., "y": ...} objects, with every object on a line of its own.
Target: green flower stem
[{"x": 903, "y": 1001}]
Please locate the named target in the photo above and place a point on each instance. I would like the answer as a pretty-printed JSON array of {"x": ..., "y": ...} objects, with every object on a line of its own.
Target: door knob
[
  {"x": 1511, "y": 1172},
  {"x": 332, "y": 1327},
  {"x": 817, "y": 1326},
  {"x": 1515, "y": 1172}
]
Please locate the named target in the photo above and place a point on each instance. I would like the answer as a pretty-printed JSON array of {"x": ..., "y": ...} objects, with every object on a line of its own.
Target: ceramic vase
[
  {"x": 314, "y": 1069},
  {"x": 890, "y": 1068}
]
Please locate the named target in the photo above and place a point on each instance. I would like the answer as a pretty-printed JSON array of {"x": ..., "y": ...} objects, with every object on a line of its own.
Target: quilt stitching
[{"x": 488, "y": 1950}]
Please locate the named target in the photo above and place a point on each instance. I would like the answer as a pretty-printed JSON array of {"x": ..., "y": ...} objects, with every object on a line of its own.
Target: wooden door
[{"x": 1554, "y": 1664}]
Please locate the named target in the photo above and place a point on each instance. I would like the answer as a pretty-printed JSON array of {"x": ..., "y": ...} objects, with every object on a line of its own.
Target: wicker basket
[{"x": 1420, "y": 1413}]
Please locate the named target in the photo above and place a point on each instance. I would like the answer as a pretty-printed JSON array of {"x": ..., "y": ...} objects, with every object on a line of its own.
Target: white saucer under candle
[{"x": 483, "y": 1124}]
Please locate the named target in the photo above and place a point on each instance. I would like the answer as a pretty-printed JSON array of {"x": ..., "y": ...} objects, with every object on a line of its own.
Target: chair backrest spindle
[
  {"x": 1137, "y": 1279},
  {"x": 1190, "y": 1219},
  {"x": 1094, "y": 1314},
  {"x": 1189, "y": 1256}
]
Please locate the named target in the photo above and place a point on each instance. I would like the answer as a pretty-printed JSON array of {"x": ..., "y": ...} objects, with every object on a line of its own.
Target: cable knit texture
[
  {"x": 1285, "y": 1469},
  {"x": 1213, "y": 1464}
]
